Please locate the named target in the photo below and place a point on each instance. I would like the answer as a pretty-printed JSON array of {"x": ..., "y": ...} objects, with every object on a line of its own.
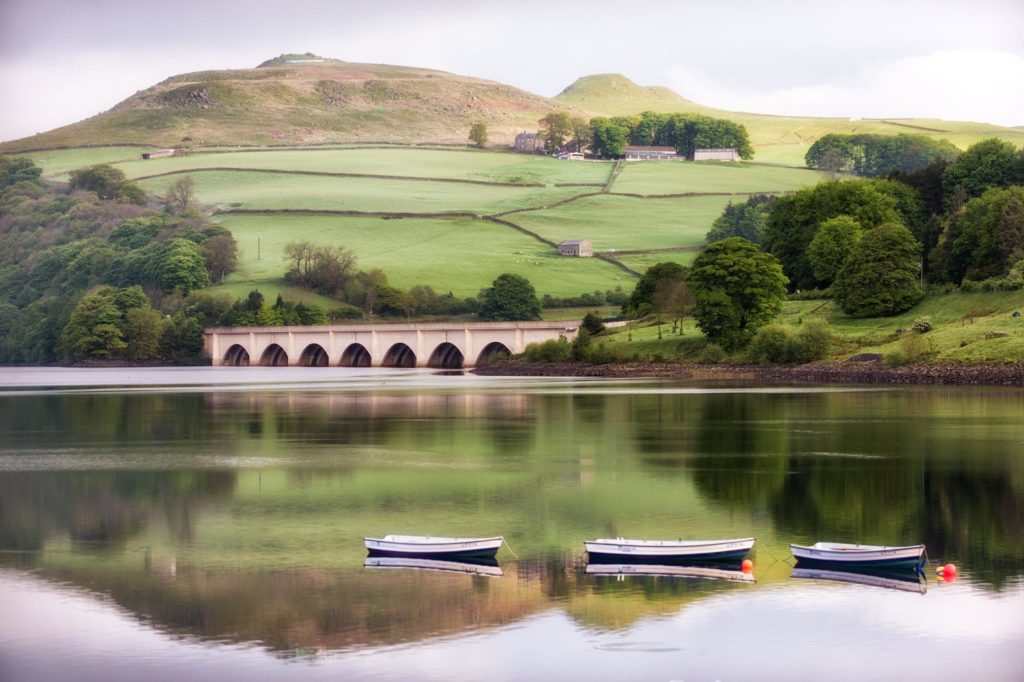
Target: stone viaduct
[{"x": 446, "y": 345}]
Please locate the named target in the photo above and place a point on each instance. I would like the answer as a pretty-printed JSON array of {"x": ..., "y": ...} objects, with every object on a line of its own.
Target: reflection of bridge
[{"x": 435, "y": 344}]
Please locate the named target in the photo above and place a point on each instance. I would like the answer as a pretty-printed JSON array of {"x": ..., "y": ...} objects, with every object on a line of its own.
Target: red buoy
[
  {"x": 949, "y": 571},
  {"x": 747, "y": 565}
]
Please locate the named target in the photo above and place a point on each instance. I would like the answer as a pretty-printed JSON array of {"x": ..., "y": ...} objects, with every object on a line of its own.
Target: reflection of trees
[
  {"x": 102, "y": 510},
  {"x": 868, "y": 468}
]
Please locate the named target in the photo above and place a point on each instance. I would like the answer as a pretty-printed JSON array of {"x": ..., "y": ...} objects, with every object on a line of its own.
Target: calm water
[{"x": 211, "y": 528}]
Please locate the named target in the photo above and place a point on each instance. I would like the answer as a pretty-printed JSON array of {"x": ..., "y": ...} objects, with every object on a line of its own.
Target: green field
[
  {"x": 677, "y": 177},
  {"x": 420, "y": 163},
  {"x": 241, "y": 189},
  {"x": 617, "y": 222},
  {"x": 457, "y": 255},
  {"x": 641, "y": 261},
  {"x": 56, "y": 164}
]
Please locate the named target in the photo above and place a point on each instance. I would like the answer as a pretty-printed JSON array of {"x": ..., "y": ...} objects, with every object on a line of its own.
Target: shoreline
[{"x": 859, "y": 373}]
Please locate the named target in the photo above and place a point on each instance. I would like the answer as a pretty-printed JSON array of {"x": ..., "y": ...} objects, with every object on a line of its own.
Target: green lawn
[
  {"x": 616, "y": 222},
  {"x": 239, "y": 189},
  {"x": 458, "y": 255},
  {"x": 58, "y": 163},
  {"x": 425, "y": 163},
  {"x": 675, "y": 177}
]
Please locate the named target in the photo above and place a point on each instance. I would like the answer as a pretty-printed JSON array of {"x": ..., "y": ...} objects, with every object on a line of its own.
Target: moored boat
[
  {"x": 484, "y": 567},
  {"x": 671, "y": 571},
  {"x": 436, "y": 547},
  {"x": 862, "y": 556},
  {"x": 661, "y": 551}
]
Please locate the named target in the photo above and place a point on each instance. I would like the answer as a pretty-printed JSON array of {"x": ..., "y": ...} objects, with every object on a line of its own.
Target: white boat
[
  {"x": 905, "y": 581},
  {"x": 427, "y": 546},
  {"x": 866, "y": 556},
  {"x": 661, "y": 550},
  {"x": 669, "y": 571},
  {"x": 491, "y": 570}
]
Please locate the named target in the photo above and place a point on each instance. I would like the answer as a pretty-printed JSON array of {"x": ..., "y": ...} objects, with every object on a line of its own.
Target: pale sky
[{"x": 64, "y": 60}]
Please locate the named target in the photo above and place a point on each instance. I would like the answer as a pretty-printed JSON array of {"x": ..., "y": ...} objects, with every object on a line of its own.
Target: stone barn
[{"x": 581, "y": 248}]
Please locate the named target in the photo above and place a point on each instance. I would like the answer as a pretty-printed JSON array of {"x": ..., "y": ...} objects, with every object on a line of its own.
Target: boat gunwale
[
  {"x": 676, "y": 544},
  {"x": 452, "y": 541},
  {"x": 858, "y": 550}
]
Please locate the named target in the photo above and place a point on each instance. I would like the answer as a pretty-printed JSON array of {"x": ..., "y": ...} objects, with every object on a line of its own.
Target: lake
[{"x": 207, "y": 524}]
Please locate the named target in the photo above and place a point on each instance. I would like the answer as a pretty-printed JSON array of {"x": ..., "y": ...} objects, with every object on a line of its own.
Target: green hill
[{"x": 304, "y": 99}]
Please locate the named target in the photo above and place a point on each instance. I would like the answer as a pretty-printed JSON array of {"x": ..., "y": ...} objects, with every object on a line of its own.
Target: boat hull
[
  {"x": 668, "y": 552},
  {"x": 882, "y": 558},
  {"x": 485, "y": 548}
]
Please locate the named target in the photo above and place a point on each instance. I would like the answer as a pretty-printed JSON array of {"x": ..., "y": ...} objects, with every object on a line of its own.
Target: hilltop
[{"x": 306, "y": 99}]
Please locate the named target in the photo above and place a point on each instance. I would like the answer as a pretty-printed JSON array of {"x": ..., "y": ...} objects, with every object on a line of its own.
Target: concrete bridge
[{"x": 446, "y": 345}]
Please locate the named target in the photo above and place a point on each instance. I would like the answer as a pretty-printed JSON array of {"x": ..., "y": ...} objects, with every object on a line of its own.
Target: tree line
[
  {"x": 608, "y": 137},
  {"x": 873, "y": 155}
]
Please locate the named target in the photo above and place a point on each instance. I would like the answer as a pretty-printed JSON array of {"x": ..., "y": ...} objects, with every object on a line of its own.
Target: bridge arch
[
  {"x": 274, "y": 356},
  {"x": 314, "y": 355},
  {"x": 399, "y": 355},
  {"x": 446, "y": 356},
  {"x": 236, "y": 356},
  {"x": 493, "y": 352},
  {"x": 356, "y": 355}
]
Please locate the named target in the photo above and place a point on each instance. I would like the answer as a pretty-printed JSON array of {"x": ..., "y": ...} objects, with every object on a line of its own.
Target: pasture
[
  {"x": 458, "y": 255},
  {"x": 680, "y": 177},
  {"x": 259, "y": 190},
  {"x": 57, "y": 163},
  {"x": 421, "y": 163},
  {"x": 627, "y": 223}
]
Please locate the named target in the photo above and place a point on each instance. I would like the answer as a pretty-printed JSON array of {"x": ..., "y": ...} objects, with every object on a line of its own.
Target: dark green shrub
[
  {"x": 711, "y": 354},
  {"x": 592, "y": 323},
  {"x": 549, "y": 351}
]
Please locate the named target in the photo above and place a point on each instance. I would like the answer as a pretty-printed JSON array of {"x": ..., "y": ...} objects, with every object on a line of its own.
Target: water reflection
[{"x": 237, "y": 516}]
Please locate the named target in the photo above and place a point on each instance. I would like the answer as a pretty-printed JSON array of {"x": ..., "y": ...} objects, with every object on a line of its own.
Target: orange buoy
[{"x": 747, "y": 565}]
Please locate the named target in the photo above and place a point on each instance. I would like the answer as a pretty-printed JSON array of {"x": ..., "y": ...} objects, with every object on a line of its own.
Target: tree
[
  {"x": 179, "y": 265},
  {"x": 832, "y": 245},
  {"x": 608, "y": 139},
  {"x": 325, "y": 269},
  {"x": 983, "y": 239},
  {"x": 672, "y": 299},
  {"x": 582, "y": 136},
  {"x": 181, "y": 197},
  {"x": 15, "y": 169},
  {"x": 882, "y": 276},
  {"x": 794, "y": 219},
  {"x": 738, "y": 288},
  {"x": 746, "y": 219},
  {"x": 221, "y": 255},
  {"x": 94, "y": 330},
  {"x": 874, "y": 155},
  {"x": 989, "y": 163},
  {"x": 555, "y": 128},
  {"x": 103, "y": 179},
  {"x": 143, "y": 329},
  {"x": 641, "y": 301},
  {"x": 510, "y": 297},
  {"x": 478, "y": 134}
]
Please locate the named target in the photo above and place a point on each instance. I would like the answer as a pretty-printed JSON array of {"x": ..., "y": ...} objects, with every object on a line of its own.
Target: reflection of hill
[{"x": 309, "y": 609}]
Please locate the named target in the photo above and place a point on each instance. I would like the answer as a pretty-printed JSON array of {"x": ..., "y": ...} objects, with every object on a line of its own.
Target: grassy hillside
[
  {"x": 461, "y": 255},
  {"x": 282, "y": 103},
  {"x": 776, "y": 139},
  {"x": 457, "y": 255},
  {"x": 967, "y": 327},
  {"x": 333, "y": 102}
]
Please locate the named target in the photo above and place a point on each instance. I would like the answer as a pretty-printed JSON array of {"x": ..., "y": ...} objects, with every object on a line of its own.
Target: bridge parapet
[{"x": 426, "y": 344}]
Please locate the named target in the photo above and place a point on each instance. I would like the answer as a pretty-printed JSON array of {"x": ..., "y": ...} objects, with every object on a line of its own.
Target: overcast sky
[{"x": 64, "y": 60}]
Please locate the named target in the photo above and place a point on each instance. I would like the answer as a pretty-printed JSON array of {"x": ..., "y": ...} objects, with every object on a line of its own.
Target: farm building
[
  {"x": 576, "y": 247},
  {"x": 645, "y": 153},
  {"x": 725, "y": 154},
  {"x": 158, "y": 153},
  {"x": 529, "y": 142},
  {"x": 571, "y": 156}
]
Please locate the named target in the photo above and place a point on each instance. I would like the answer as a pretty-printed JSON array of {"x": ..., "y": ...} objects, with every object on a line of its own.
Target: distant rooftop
[{"x": 646, "y": 148}]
